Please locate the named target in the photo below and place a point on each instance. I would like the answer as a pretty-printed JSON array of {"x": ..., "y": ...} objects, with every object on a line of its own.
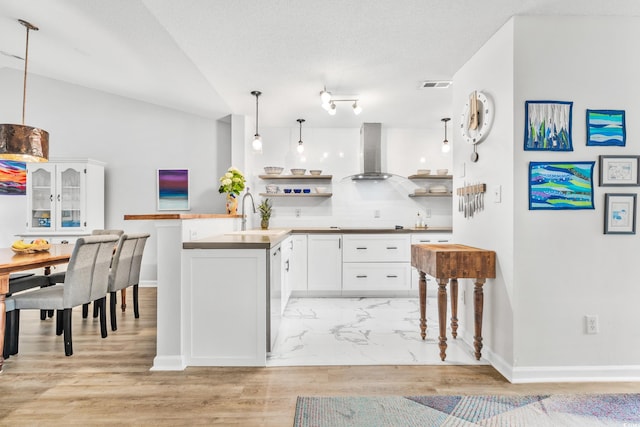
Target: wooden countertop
[{"x": 161, "y": 216}]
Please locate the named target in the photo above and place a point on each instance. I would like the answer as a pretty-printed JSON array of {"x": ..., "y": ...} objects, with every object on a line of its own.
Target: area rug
[{"x": 575, "y": 410}]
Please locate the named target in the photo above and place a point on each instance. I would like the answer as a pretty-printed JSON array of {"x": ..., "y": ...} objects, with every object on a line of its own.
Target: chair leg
[
  {"x": 15, "y": 331},
  {"x": 112, "y": 310},
  {"x": 95, "y": 310},
  {"x": 102, "y": 305},
  {"x": 43, "y": 314},
  {"x": 123, "y": 296},
  {"x": 136, "y": 313},
  {"x": 66, "y": 320},
  {"x": 12, "y": 320},
  {"x": 85, "y": 311},
  {"x": 59, "y": 322}
]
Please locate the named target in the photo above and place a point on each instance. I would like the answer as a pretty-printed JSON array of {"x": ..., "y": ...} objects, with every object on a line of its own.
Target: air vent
[{"x": 436, "y": 84}]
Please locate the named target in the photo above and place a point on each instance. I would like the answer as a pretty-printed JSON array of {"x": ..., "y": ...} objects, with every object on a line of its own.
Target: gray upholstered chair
[
  {"x": 86, "y": 280},
  {"x": 125, "y": 272}
]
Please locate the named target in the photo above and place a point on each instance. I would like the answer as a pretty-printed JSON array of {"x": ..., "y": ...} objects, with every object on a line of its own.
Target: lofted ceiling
[{"x": 206, "y": 56}]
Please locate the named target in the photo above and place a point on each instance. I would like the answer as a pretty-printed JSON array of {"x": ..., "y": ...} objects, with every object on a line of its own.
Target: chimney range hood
[{"x": 371, "y": 154}]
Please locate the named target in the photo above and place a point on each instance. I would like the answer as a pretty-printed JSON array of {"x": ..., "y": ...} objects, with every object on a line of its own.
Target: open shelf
[
  {"x": 296, "y": 195},
  {"x": 431, "y": 195},
  {"x": 430, "y": 176},
  {"x": 295, "y": 176}
]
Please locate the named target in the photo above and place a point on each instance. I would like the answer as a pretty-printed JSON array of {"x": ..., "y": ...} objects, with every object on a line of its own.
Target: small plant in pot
[{"x": 265, "y": 213}]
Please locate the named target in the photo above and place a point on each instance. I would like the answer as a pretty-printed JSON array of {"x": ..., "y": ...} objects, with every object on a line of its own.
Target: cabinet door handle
[
  {"x": 361, "y": 248},
  {"x": 340, "y": 243},
  {"x": 392, "y": 247},
  {"x": 392, "y": 276},
  {"x": 361, "y": 276},
  {"x": 58, "y": 197},
  {"x": 287, "y": 265},
  {"x": 51, "y": 197}
]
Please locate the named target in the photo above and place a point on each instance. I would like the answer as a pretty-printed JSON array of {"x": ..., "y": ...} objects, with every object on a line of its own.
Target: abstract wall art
[
  {"x": 561, "y": 185},
  {"x": 13, "y": 178},
  {"x": 606, "y": 128},
  {"x": 548, "y": 125},
  {"x": 173, "y": 189}
]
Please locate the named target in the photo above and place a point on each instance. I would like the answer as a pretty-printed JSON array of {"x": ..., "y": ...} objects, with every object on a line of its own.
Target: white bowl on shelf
[
  {"x": 298, "y": 171},
  {"x": 315, "y": 172},
  {"x": 442, "y": 171},
  {"x": 424, "y": 171},
  {"x": 272, "y": 189},
  {"x": 321, "y": 190},
  {"x": 273, "y": 170}
]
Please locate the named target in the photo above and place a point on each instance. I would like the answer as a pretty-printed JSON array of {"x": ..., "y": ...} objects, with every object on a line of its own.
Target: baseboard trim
[
  {"x": 168, "y": 363},
  {"x": 148, "y": 284},
  {"x": 542, "y": 374}
]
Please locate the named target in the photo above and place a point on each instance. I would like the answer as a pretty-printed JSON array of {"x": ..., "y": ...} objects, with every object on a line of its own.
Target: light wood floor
[{"x": 107, "y": 381}]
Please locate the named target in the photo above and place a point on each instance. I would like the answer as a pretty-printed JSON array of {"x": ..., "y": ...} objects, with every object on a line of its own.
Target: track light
[
  {"x": 332, "y": 109},
  {"x": 325, "y": 96},
  {"x": 300, "y": 143},
  {"x": 356, "y": 108},
  {"x": 446, "y": 147},
  {"x": 329, "y": 103},
  {"x": 257, "y": 140}
]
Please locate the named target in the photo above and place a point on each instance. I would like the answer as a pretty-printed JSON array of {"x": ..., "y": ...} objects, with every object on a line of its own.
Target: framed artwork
[
  {"x": 173, "y": 189},
  {"x": 548, "y": 125},
  {"x": 561, "y": 185},
  {"x": 606, "y": 128},
  {"x": 620, "y": 213},
  {"x": 619, "y": 171},
  {"x": 13, "y": 178}
]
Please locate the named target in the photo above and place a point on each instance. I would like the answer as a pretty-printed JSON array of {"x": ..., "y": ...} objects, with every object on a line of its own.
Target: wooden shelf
[
  {"x": 430, "y": 176},
  {"x": 296, "y": 195},
  {"x": 431, "y": 195},
  {"x": 295, "y": 176}
]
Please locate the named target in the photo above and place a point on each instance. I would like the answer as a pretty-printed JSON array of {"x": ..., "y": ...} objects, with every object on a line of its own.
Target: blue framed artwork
[
  {"x": 606, "y": 128},
  {"x": 561, "y": 185},
  {"x": 13, "y": 178},
  {"x": 548, "y": 125},
  {"x": 173, "y": 189}
]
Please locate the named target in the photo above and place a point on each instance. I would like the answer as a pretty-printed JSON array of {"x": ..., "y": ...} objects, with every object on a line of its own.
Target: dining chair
[
  {"x": 127, "y": 272},
  {"x": 86, "y": 281}
]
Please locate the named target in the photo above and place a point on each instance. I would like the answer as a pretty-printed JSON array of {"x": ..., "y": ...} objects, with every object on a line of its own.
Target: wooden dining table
[{"x": 11, "y": 262}]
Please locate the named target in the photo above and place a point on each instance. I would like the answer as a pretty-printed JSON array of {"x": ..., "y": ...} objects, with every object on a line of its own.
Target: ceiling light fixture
[
  {"x": 329, "y": 103},
  {"x": 445, "y": 144},
  {"x": 257, "y": 140},
  {"x": 20, "y": 142},
  {"x": 300, "y": 146}
]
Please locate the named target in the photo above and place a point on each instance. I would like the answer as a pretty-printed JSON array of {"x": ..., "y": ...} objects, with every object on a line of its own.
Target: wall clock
[{"x": 476, "y": 119}]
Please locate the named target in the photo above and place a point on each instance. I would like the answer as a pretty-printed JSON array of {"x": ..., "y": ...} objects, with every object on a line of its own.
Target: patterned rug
[{"x": 579, "y": 410}]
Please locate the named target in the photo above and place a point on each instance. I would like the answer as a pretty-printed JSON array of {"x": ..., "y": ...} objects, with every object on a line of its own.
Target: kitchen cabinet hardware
[
  {"x": 361, "y": 276},
  {"x": 361, "y": 248},
  {"x": 392, "y": 247},
  {"x": 392, "y": 276}
]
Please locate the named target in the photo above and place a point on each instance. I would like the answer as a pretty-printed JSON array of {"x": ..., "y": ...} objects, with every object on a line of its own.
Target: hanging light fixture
[
  {"x": 445, "y": 144},
  {"x": 332, "y": 108},
  {"x": 325, "y": 97},
  {"x": 329, "y": 103},
  {"x": 20, "y": 142},
  {"x": 300, "y": 146},
  {"x": 257, "y": 140},
  {"x": 356, "y": 108}
]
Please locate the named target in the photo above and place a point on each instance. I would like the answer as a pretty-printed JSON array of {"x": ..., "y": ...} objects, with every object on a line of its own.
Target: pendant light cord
[{"x": 29, "y": 26}]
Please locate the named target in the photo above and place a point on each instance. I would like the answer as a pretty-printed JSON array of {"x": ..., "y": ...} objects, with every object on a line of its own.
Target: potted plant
[
  {"x": 265, "y": 213},
  {"x": 232, "y": 183}
]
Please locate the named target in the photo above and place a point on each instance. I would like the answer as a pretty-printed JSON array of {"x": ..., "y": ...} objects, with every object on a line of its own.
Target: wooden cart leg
[
  {"x": 123, "y": 296},
  {"x": 442, "y": 317},
  {"x": 454, "y": 308},
  {"x": 422, "y": 285},
  {"x": 478, "y": 303}
]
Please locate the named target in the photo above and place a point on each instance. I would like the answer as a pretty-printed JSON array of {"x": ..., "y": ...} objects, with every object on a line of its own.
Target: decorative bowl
[
  {"x": 32, "y": 249},
  {"x": 273, "y": 170},
  {"x": 442, "y": 171},
  {"x": 306, "y": 190},
  {"x": 321, "y": 189},
  {"x": 298, "y": 171},
  {"x": 315, "y": 172},
  {"x": 287, "y": 190},
  {"x": 424, "y": 171},
  {"x": 272, "y": 189},
  {"x": 297, "y": 190}
]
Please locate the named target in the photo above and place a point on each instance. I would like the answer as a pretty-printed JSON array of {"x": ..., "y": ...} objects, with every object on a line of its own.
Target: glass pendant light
[
  {"x": 446, "y": 147},
  {"x": 300, "y": 143},
  {"x": 257, "y": 140},
  {"x": 19, "y": 142}
]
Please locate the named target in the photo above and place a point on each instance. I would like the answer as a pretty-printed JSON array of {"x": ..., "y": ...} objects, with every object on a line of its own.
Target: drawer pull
[
  {"x": 425, "y": 241},
  {"x": 361, "y": 276},
  {"x": 442, "y": 241},
  {"x": 362, "y": 248},
  {"x": 392, "y": 276},
  {"x": 392, "y": 247}
]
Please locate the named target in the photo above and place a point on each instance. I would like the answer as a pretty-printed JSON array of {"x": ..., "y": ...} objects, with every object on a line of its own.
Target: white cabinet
[
  {"x": 65, "y": 198},
  {"x": 287, "y": 265},
  {"x": 298, "y": 263},
  {"x": 275, "y": 294},
  {"x": 324, "y": 267},
  {"x": 376, "y": 262}
]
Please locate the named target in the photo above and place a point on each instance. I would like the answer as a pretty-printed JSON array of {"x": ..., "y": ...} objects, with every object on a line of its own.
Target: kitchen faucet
[{"x": 244, "y": 218}]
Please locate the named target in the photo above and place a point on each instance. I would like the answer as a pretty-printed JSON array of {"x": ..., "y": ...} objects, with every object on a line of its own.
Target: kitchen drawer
[
  {"x": 376, "y": 276},
  {"x": 376, "y": 248},
  {"x": 426, "y": 238}
]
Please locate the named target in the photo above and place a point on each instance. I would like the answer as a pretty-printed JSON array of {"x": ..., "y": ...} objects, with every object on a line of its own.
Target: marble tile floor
[{"x": 362, "y": 331}]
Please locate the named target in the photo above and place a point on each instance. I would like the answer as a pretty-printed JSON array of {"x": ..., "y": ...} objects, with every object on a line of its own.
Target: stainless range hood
[{"x": 371, "y": 154}]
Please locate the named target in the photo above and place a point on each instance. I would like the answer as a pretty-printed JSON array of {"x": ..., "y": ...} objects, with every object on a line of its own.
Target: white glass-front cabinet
[{"x": 65, "y": 197}]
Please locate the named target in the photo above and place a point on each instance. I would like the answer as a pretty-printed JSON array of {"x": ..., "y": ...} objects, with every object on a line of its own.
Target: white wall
[
  {"x": 336, "y": 152},
  {"x": 132, "y": 138},
  {"x": 554, "y": 267}
]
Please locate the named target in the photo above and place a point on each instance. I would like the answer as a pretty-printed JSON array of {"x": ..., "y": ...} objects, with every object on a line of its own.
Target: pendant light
[
  {"x": 445, "y": 144},
  {"x": 257, "y": 140},
  {"x": 300, "y": 146},
  {"x": 19, "y": 142}
]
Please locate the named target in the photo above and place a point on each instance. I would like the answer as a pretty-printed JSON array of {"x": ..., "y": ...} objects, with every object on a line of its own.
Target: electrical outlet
[
  {"x": 591, "y": 323},
  {"x": 376, "y": 213},
  {"x": 298, "y": 212}
]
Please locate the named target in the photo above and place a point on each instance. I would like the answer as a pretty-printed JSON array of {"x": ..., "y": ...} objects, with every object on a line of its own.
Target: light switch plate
[{"x": 497, "y": 194}]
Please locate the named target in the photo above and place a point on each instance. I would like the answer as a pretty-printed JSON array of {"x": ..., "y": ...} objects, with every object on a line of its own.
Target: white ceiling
[{"x": 206, "y": 56}]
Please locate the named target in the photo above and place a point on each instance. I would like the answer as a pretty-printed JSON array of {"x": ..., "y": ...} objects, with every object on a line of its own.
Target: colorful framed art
[
  {"x": 619, "y": 171},
  {"x": 620, "y": 213},
  {"x": 173, "y": 190},
  {"x": 548, "y": 126},
  {"x": 561, "y": 185},
  {"x": 13, "y": 178},
  {"x": 606, "y": 128}
]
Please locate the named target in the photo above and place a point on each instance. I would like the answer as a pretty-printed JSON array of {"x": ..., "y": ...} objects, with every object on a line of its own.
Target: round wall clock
[{"x": 476, "y": 117}]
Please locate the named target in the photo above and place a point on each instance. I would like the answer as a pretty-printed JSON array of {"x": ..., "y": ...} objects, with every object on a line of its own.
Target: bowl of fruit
[{"x": 37, "y": 245}]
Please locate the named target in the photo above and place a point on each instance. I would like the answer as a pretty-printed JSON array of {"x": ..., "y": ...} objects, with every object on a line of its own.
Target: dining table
[{"x": 11, "y": 262}]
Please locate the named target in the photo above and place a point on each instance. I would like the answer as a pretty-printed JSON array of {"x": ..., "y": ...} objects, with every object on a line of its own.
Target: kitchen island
[{"x": 235, "y": 287}]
